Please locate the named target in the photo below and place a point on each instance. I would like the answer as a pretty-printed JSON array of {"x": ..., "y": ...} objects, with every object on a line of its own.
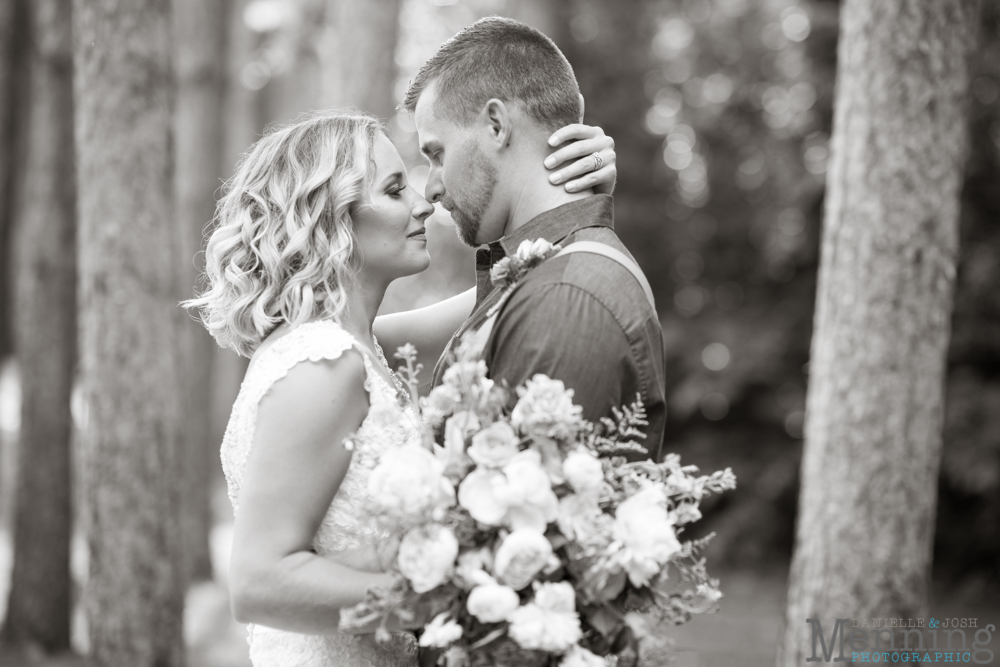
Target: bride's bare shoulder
[{"x": 318, "y": 395}]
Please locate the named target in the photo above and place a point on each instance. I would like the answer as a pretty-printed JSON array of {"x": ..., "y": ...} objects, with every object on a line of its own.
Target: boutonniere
[
  {"x": 529, "y": 254},
  {"x": 508, "y": 271}
]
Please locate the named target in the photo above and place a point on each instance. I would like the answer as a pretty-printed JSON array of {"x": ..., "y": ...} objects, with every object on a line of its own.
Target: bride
[{"x": 316, "y": 222}]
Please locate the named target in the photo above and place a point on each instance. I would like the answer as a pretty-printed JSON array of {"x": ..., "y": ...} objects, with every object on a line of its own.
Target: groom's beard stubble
[{"x": 481, "y": 183}]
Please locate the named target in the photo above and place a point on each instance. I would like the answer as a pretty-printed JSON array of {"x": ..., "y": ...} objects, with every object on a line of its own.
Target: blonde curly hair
[{"x": 282, "y": 248}]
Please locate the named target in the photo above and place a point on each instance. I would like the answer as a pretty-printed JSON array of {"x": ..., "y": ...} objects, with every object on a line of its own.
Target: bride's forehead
[{"x": 386, "y": 156}]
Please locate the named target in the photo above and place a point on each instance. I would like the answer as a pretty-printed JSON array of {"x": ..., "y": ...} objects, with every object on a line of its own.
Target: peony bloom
[
  {"x": 440, "y": 632},
  {"x": 550, "y": 622},
  {"x": 581, "y": 520},
  {"x": 646, "y": 534},
  {"x": 409, "y": 484},
  {"x": 522, "y": 554},
  {"x": 427, "y": 556},
  {"x": 495, "y": 446},
  {"x": 518, "y": 496},
  {"x": 492, "y": 603},
  {"x": 578, "y": 656},
  {"x": 584, "y": 472},
  {"x": 545, "y": 408}
]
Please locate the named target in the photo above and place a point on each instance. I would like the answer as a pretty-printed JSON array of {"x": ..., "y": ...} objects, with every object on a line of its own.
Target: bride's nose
[{"x": 422, "y": 208}]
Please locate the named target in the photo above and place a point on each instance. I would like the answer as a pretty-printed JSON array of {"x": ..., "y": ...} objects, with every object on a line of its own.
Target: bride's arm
[
  {"x": 295, "y": 467},
  {"x": 430, "y": 328}
]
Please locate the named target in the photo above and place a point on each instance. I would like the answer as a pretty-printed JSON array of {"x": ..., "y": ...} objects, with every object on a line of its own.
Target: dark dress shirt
[{"x": 580, "y": 318}]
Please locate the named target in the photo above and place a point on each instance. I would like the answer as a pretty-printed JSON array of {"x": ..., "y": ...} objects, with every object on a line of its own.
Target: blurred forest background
[{"x": 721, "y": 112}]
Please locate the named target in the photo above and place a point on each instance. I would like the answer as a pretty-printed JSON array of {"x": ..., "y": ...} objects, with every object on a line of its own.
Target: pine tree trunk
[
  {"x": 201, "y": 29},
  {"x": 131, "y": 342},
  {"x": 359, "y": 66},
  {"x": 876, "y": 392},
  {"x": 39, "y": 607}
]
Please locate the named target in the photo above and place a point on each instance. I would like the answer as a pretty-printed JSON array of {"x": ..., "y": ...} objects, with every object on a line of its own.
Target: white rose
[
  {"x": 545, "y": 407},
  {"x": 583, "y": 471},
  {"x": 522, "y": 555},
  {"x": 532, "y": 503},
  {"x": 647, "y": 535},
  {"x": 440, "y": 632},
  {"x": 578, "y": 656},
  {"x": 518, "y": 496},
  {"x": 409, "y": 483},
  {"x": 427, "y": 556},
  {"x": 492, "y": 603},
  {"x": 548, "y": 623},
  {"x": 494, "y": 446},
  {"x": 481, "y": 493}
]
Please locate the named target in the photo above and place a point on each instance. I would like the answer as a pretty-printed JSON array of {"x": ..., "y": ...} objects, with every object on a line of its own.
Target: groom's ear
[
  {"x": 581, "y": 107},
  {"x": 498, "y": 122}
]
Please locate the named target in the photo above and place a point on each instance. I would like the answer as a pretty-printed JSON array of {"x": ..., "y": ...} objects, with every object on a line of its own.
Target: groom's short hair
[{"x": 502, "y": 58}]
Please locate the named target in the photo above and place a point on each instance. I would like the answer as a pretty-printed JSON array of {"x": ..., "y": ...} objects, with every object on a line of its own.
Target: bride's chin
[{"x": 419, "y": 265}]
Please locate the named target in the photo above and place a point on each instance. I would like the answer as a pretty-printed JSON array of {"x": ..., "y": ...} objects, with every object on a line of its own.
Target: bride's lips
[{"x": 419, "y": 234}]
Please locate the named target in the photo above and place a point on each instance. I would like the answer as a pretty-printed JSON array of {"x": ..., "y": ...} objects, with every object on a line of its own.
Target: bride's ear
[{"x": 581, "y": 107}]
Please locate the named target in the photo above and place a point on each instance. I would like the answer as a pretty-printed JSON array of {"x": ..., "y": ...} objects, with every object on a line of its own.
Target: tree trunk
[
  {"x": 890, "y": 242},
  {"x": 359, "y": 65},
  {"x": 201, "y": 29},
  {"x": 39, "y": 607},
  {"x": 242, "y": 127},
  {"x": 14, "y": 38},
  {"x": 131, "y": 342}
]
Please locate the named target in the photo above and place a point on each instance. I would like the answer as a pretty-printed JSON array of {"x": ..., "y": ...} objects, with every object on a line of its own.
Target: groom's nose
[{"x": 434, "y": 190}]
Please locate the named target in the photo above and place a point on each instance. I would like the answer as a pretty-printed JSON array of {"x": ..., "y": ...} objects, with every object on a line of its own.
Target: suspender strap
[{"x": 615, "y": 255}]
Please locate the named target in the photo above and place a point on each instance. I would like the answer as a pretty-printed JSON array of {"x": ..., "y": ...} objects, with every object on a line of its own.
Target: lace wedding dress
[{"x": 344, "y": 535}]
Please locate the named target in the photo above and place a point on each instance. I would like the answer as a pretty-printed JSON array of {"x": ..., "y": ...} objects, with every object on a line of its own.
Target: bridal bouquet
[{"x": 527, "y": 538}]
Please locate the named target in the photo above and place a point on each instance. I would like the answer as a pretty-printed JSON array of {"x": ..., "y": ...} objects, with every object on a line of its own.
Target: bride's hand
[{"x": 582, "y": 173}]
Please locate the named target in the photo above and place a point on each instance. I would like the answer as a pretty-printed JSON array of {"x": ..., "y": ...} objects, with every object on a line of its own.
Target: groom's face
[{"x": 461, "y": 176}]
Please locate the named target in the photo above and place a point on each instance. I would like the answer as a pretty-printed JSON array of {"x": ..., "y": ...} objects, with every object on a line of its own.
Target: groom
[{"x": 484, "y": 106}]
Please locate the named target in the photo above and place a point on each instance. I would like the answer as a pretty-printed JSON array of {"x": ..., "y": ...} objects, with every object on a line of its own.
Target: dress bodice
[{"x": 345, "y": 535}]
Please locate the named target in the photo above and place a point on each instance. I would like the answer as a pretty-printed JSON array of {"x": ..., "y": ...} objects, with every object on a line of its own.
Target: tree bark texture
[
  {"x": 131, "y": 342},
  {"x": 14, "y": 37},
  {"x": 359, "y": 65},
  {"x": 45, "y": 306},
  {"x": 865, "y": 526},
  {"x": 201, "y": 30}
]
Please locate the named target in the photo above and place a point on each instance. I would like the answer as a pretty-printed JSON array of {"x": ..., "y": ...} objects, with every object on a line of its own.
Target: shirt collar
[{"x": 556, "y": 224}]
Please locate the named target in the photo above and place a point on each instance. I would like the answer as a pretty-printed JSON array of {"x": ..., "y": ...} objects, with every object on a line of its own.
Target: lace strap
[{"x": 313, "y": 341}]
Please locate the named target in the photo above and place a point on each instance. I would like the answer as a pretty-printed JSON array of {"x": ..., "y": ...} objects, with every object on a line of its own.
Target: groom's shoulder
[{"x": 591, "y": 277}]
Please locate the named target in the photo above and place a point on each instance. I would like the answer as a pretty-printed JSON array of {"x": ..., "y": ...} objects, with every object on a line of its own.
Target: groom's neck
[{"x": 532, "y": 193}]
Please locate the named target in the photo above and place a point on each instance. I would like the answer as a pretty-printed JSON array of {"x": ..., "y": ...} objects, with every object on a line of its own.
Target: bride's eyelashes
[{"x": 396, "y": 192}]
